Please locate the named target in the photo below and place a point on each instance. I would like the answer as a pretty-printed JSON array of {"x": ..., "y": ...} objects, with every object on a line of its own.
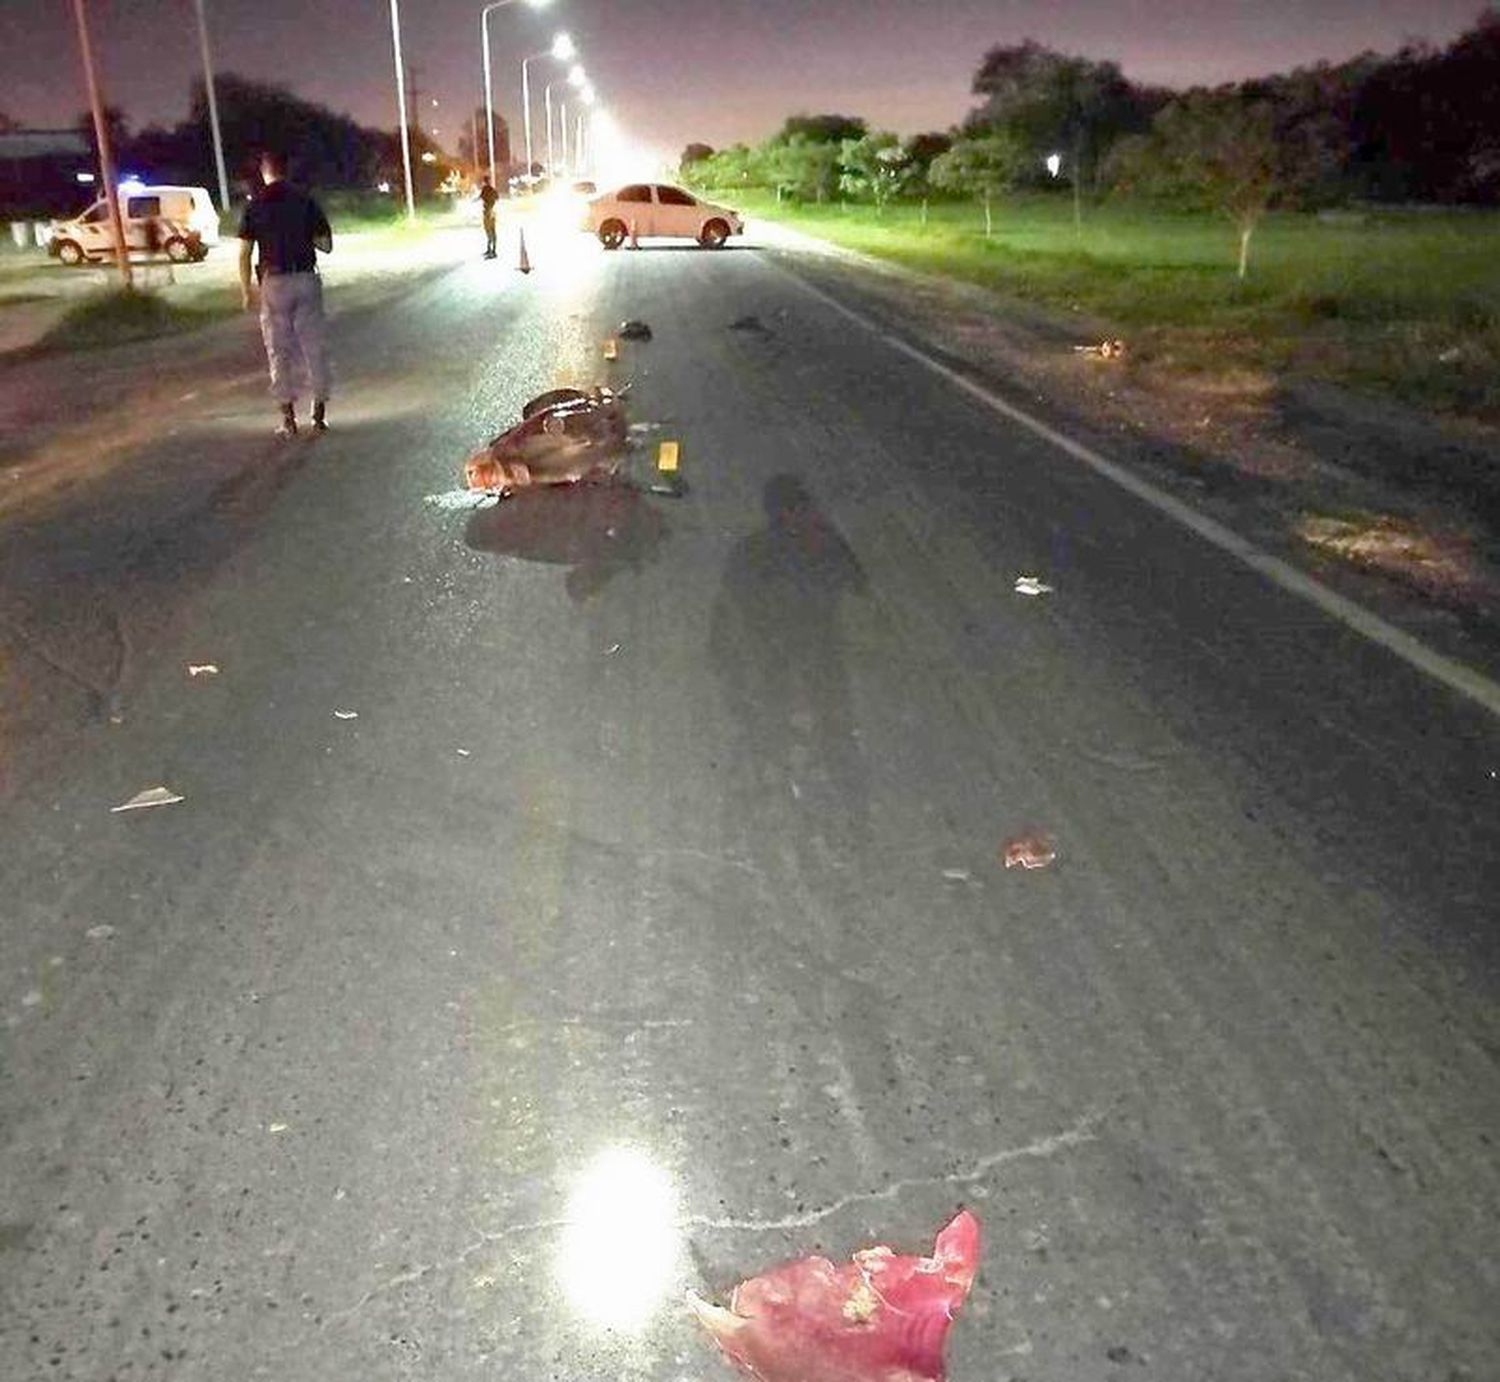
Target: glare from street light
[
  {"x": 587, "y": 93},
  {"x": 564, "y": 49},
  {"x": 576, "y": 75}
]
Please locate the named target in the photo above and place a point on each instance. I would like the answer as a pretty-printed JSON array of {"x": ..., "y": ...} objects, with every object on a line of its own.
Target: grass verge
[
  {"x": 1403, "y": 304},
  {"x": 120, "y": 316}
]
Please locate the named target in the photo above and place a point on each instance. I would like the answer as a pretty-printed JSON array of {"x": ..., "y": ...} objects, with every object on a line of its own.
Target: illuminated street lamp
[
  {"x": 411, "y": 201},
  {"x": 563, "y": 49},
  {"x": 489, "y": 95},
  {"x": 101, "y": 133}
]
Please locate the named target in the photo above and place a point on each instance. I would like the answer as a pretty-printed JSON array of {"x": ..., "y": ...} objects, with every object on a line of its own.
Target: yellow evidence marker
[
  {"x": 666, "y": 458},
  {"x": 611, "y": 350}
]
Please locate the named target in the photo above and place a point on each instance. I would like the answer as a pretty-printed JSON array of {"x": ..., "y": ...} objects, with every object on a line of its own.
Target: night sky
[{"x": 676, "y": 70}]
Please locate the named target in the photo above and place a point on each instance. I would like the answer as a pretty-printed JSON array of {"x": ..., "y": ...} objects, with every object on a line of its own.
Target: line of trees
[{"x": 1422, "y": 124}]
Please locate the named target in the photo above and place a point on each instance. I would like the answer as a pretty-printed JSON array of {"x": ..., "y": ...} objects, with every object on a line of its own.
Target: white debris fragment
[
  {"x": 463, "y": 753},
  {"x": 1032, "y": 585},
  {"x": 346, "y": 714},
  {"x": 101, "y": 932},
  {"x": 957, "y": 875},
  {"x": 463, "y": 499},
  {"x": 277, "y": 1127},
  {"x": 202, "y": 669},
  {"x": 612, "y": 650},
  {"x": 31, "y": 999},
  {"x": 152, "y": 796}
]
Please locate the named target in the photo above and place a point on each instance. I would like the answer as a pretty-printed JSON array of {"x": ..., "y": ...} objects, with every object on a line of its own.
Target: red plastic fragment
[{"x": 882, "y": 1317}]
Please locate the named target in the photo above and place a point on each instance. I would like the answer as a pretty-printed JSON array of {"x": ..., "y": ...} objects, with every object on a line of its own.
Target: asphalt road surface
[{"x": 649, "y": 924}]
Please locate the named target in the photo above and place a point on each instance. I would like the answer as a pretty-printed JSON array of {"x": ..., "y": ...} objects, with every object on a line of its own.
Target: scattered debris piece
[
  {"x": 957, "y": 875},
  {"x": 1032, "y": 585},
  {"x": 638, "y": 429},
  {"x": 277, "y": 1127},
  {"x": 666, "y": 457},
  {"x": 102, "y": 932},
  {"x": 463, "y": 753},
  {"x": 881, "y": 1315},
  {"x": 346, "y": 714},
  {"x": 202, "y": 669},
  {"x": 461, "y": 499},
  {"x": 1120, "y": 1355},
  {"x": 1451, "y": 356},
  {"x": 750, "y": 322},
  {"x": 579, "y": 437},
  {"x": 1105, "y": 350},
  {"x": 32, "y": 998},
  {"x": 611, "y": 349},
  {"x": 151, "y": 796},
  {"x": 634, "y": 330},
  {"x": 612, "y": 650},
  {"x": 1030, "y": 852}
]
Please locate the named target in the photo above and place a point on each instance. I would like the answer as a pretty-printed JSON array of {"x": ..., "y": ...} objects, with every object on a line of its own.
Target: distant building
[{"x": 45, "y": 173}]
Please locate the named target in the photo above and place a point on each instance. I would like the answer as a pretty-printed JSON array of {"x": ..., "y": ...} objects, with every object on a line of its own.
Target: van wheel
[
  {"x": 70, "y": 252},
  {"x": 178, "y": 250},
  {"x": 612, "y": 234},
  {"x": 713, "y": 235}
]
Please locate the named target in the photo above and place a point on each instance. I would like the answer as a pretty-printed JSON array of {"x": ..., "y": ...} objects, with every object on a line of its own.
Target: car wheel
[
  {"x": 178, "y": 250},
  {"x": 70, "y": 252},
  {"x": 713, "y": 235},
  {"x": 612, "y": 234}
]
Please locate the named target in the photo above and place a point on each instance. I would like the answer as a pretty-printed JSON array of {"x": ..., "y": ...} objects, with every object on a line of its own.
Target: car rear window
[
  {"x": 674, "y": 196},
  {"x": 635, "y": 194}
]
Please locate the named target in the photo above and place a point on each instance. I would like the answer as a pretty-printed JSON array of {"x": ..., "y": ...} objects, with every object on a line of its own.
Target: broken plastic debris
[
  {"x": 633, "y": 330},
  {"x": 346, "y": 714},
  {"x": 460, "y": 499},
  {"x": 1032, "y": 585},
  {"x": 1030, "y": 852},
  {"x": 881, "y": 1317},
  {"x": 957, "y": 875},
  {"x": 1105, "y": 350},
  {"x": 611, "y": 349},
  {"x": 101, "y": 932},
  {"x": 462, "y": 753},
  {"x": 202, "y": 669},
  {"x": 563, "y": 437},
  {"x": 612, "y": 650},
  {"x": 277, "y": 1127},
  {"x": 151, "y": 796}
]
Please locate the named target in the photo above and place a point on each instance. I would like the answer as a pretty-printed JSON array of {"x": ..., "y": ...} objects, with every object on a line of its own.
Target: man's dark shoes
[
  {"x": 288, "y": 426},
  {"x": 320, "y": 416}
]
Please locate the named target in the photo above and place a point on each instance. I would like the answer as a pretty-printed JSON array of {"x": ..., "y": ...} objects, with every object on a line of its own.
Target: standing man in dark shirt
[
  {"x": 487, "y": 199},
  {"x": 288, "y": 228}
]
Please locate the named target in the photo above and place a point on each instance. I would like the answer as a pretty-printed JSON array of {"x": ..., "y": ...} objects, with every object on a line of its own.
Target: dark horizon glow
[{"x": 673, "y": 71}]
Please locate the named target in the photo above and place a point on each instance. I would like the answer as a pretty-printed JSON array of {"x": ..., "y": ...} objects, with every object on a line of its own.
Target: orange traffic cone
[{"x": 525, "y": 265}]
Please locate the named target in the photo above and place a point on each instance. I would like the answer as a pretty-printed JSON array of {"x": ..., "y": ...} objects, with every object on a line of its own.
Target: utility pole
[
  {"x": 106, "y": 154},
  {"x": 411, "y": 201},
  {"x": 213, "y": 108}
]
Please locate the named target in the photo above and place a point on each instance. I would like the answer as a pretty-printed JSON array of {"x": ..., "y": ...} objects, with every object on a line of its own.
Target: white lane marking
[{"x": 1455, "y": 675}]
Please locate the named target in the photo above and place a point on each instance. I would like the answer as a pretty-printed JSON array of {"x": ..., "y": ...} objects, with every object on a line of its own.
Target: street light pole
[
  {"x": 526, "y": 113},
  {"x": 106, "y": 154},
  {"x": 547, "y": 106},
  {"x": 562, "y": 121},
  {"x": 411, "y": 201},
  {"x": 213, "y": 108}
]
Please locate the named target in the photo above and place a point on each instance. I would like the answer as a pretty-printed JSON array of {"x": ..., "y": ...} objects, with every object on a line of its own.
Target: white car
[
  {"x": 643, "y": 209},
  {"x": 179, "y": 221}
]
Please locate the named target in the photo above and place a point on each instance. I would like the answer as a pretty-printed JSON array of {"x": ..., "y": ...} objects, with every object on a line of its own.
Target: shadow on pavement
[
  {"x": 776, "y": 644},
  {"x": 597, "y": 531}
]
